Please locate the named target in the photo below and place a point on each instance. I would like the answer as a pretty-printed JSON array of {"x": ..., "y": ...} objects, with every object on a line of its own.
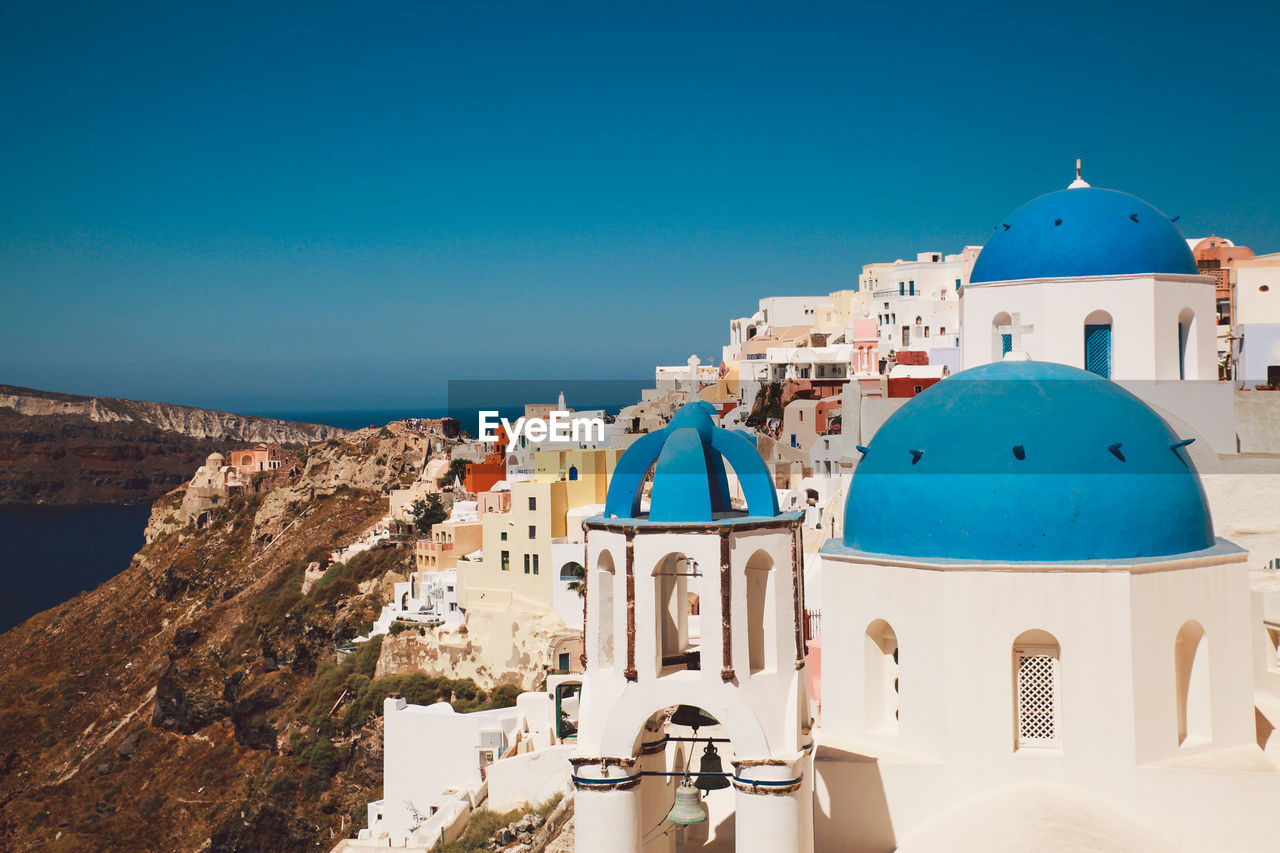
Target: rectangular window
[
  {"x": 526, "y": 564},
  {"x": 911, "y": 288},
  {"x": 533, "y": 503},
  {"x": 902, "y": 288},
  {"x": 535, "y": 564},
  {"x": 504, "y": 536},
  {"x": 532, "y": 531},
  {"x": 1006, "y": 344},
  {"x": 957, "y": 284},
  {"x": 506, "y": 561},
  {"x": 1036, "y": 671},
  {"x": 906, "y": 336}
]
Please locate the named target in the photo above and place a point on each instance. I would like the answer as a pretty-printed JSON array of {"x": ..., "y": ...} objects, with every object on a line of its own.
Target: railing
[{"x": 812, "y": 624}]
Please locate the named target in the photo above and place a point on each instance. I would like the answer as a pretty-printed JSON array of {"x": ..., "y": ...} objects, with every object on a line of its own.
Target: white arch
[
  {"x": 1187, "y": 362},
  {"x": 1194, "y": 697},
  {"x": 880, "y": 665}
]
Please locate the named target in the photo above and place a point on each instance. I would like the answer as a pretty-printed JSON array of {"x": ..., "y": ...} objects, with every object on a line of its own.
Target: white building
[
  {"x": 916, "y": 303},
  {"x": 1257, "y": 319},
  {"x": 1096, "y": 279},
  {"x": 657, "y": 581},
  {"x": 1037, "y": 640}
]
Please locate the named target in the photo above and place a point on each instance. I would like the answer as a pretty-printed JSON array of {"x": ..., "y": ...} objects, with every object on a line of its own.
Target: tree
[
  {"x": 457, "y": 471},
  {"x": 427, "y": 513}
]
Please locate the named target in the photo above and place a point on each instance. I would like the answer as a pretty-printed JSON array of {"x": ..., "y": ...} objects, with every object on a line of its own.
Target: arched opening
[
  {"x": 567, "y": 695},
  {"x": 404, "y": 601},
  {"x": 571, "y": 571},
  {"x": 603, "y": 580},
  {"x": 1098, "y": 344},
  {"x": 761, "y": 616},
  {"x": 1191, "y": 663},
  {"x": 675, "y": 648},
  {"x": 881, "y": 666},
  {"x": 1037, "y": 690},
  {"x": 1186, "y": 339},
  {"x": 1001, "y": 336},
  {"x": 573, "y": 473}
]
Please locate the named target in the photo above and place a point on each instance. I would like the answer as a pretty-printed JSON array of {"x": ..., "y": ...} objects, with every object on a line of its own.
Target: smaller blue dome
[
  {"x": 1085, "y": 231},
  {"x": 690, "y": 483},
  {"x": 1026, "y": 461}
]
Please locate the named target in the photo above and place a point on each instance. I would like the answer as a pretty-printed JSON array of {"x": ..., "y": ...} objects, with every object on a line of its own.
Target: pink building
[{"x": 866, "y": 346}]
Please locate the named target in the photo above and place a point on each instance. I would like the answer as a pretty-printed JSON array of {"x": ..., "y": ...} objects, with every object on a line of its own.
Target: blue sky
[{"x": 333, "y": 206}]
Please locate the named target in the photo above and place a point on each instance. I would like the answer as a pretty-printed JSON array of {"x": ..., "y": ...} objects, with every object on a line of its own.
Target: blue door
[
  {"x": 1097, "y": 350},
  {"x": 1006, "y": 344}
]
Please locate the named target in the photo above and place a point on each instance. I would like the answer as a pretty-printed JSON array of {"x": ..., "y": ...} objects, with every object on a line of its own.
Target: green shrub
[{"x": 322, "y": 757}]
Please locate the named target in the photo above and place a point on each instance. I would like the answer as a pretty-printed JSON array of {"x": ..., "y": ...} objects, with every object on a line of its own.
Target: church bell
[
  {"x": 688, "y": 808},
  {"x": 693, "y": 717},
  {"x": 709, "y": 774}
]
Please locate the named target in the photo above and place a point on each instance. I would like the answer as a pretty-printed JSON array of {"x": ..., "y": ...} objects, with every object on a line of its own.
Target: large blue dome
[
  {"x": 690, "y": 482},
  {"x": 1026, "y": 461},
  {"x": 1085, "y": 231}
]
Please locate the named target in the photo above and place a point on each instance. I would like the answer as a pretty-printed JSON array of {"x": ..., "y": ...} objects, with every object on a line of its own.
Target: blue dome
[
  {"x": 1026, "y": 461},
  {"x": 1080, "y": 232},
  {"x": 690, "y": 483}
]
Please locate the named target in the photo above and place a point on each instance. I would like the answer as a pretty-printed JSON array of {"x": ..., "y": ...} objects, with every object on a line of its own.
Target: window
[
  {"x": 504, "y": 536},
  {"x": 533, "y": 532},
  {"x": 881, "y": 669},
  {"x": 957, "y": 284},
  {"x": 906, "y": 336},
  {"x": 562, "y": 662},
  {"x": 794, "y": 443},
  {"x": 1097, "y": 344},
  {"x": 911, "y": 288},
  {"x": 1186, "y": 341},
  {"x": 526, "y": 564},
  {"x": 1191, "y": 665},
  {"x": 533, "y": 503},
  {"x": 902, "y": 288},
  {"x": 506, "y": 561},
  {"x": 760, "y": 618},
  {"x": 942, "y": 330},
  {"x": 535, "y": 564},
  {"x": 1036, "y": 673},
  {"x": 601, "y": 587}
]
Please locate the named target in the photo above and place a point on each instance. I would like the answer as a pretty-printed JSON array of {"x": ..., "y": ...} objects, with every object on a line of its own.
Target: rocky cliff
[
  {"x": 197, "y": 700},
  {"x": 63, "y": 448}
]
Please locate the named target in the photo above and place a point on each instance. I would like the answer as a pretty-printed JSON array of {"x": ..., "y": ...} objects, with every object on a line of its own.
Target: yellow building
[
  {"x": 439, "y": 551},
  {"x": 516, "y": 571},
  {"x": 585, "y": 473}
]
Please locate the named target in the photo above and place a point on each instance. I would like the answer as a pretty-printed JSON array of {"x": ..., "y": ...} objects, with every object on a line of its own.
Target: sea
[{"x": 51, "y": 554}]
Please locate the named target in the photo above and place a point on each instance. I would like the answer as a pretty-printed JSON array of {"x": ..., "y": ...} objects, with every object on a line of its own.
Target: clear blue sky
[{"x": 341, "y": 206}]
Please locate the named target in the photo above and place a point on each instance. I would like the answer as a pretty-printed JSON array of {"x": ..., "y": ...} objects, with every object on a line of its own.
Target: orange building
[
  {"x": 260, "y": 457},
  {"x": 483, "y": 476},
  {"x": 1216, "y": 256}
]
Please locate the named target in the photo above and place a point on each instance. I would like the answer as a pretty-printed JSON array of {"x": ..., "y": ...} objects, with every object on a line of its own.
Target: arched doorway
[{"x": 1098, "y": 344}]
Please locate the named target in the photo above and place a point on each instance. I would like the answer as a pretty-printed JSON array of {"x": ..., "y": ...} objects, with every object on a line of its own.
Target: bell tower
[{"x": 695, "y": 654}]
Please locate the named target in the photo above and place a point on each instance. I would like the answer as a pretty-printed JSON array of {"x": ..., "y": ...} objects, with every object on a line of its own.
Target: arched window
[
  {"x": 602, "y": 581},
  {"x": 573, "y": 473},
  {"x": 881, "y": 689},
  {"x": 1186, "y": 339},
  {"x": 1097, "y": 344},
  {"x": 1037, "y": 687},
  {"x": 671, "y": 611},
  {"x": 761, "y": 624},
  {"x": 1001, "y": 335},
  {"x": 1191, "y": 663}
]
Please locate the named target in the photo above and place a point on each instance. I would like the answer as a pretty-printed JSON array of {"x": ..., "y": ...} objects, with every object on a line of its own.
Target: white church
[{"x": 1036, "y": 642}]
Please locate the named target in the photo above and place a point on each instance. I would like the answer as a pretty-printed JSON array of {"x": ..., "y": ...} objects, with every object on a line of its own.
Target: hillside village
[{"x": 402, "y": 634}]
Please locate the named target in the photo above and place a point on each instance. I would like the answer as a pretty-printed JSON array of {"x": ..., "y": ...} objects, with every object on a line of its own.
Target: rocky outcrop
[
  {"x": 183, "y": 420},
  {"x": 63, "y": 449}
]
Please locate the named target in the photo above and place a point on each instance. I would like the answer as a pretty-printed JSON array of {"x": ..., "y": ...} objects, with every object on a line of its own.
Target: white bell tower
[{"x": 694, "y": 611}]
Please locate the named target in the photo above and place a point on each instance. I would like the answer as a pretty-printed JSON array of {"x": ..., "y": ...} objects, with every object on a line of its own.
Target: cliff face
[
  {"x": 62, "y": 448},
  {"x": 195, "y": 701}
]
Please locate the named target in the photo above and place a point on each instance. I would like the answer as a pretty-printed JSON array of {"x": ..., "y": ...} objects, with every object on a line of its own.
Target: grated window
[{"x": 1037, "y": 673}]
